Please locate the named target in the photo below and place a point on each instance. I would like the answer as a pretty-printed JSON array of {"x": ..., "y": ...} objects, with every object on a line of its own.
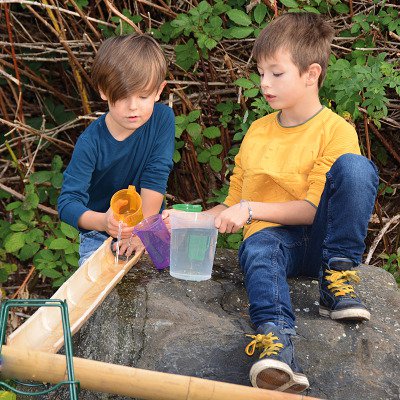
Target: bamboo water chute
[
  {"x": 84, "y": 291},
  {"x": 98, "y": 376}
]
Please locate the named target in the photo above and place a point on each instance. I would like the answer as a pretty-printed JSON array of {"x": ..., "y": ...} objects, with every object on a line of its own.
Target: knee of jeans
[{"x": 355, "y": 169}]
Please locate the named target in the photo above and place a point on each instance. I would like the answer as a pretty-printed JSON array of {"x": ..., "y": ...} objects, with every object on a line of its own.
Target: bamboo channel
[
  {"x": 126, "y": 381},
  {"x": 84, "y": 291}
]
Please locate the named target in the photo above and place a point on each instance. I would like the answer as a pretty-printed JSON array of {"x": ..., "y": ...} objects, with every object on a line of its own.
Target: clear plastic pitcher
[
  {"x": 127, "y": 206},
  {"x": 193, "y": 243}
]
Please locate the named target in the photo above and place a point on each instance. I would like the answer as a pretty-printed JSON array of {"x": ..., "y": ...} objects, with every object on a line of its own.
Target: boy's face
[
  {"x": 128, "y": 114},
  {"x": 281, "y": 83}
]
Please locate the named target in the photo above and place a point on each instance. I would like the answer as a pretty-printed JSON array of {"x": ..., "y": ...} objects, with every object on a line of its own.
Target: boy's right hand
[
  {"x": 232, "y": 219},
  {"x": 112, "y": 226}
]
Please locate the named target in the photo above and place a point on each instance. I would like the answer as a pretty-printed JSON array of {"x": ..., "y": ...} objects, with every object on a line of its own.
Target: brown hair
[
  {"x": 128, "y": 64},
  {"x": 305, "y": 35}
]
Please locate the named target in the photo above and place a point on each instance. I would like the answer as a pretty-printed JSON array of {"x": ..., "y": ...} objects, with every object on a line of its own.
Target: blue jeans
[
  {"x": 270, "y": 256},
  {"x": 89, "y": 243}
]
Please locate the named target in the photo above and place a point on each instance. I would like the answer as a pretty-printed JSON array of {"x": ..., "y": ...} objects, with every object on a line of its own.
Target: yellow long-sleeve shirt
[{"x": 278, "y": 164}]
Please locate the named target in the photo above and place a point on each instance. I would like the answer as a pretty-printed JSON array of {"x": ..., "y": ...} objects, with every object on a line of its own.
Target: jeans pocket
[{"x": 89, "y": 243}]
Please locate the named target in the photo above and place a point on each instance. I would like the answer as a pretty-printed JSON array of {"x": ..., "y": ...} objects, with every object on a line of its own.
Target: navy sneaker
[
  {"x": 338, "y": 300},
  {"x": 277, "y": 368}
]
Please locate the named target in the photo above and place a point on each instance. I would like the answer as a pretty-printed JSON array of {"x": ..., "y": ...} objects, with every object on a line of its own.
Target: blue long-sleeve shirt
[{"x": 101, "y": 165}]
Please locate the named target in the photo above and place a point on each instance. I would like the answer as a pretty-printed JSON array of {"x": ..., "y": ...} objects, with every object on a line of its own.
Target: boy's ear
[
  {"x": 102, "y": 95},
  {"x": 313, "y": 73},
  {"x": 160, "y": 89}
]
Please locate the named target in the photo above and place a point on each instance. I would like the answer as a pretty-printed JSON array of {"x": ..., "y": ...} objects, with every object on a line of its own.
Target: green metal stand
[{"x": 62, "y": 304}]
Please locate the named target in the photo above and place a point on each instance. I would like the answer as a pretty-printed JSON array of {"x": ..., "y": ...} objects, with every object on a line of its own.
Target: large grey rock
[{"x": 156, "y": 322}]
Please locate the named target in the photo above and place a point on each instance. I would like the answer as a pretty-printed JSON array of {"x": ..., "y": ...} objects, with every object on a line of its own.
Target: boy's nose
[
  {"x": 132, "y": 103},
  {"x": 264, "y": 82}
]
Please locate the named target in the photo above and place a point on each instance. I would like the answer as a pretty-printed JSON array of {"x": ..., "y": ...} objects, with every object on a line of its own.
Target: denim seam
[
  {"x": 281, "y": 319},
  {"x": 329, "y": 217}
]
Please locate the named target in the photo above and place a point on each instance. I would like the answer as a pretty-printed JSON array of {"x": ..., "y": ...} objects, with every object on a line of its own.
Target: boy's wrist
[{"x": 249, "y": 209}]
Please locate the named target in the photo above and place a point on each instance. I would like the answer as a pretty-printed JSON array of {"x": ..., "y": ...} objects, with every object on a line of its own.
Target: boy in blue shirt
[{"x": 131, "y": 144}]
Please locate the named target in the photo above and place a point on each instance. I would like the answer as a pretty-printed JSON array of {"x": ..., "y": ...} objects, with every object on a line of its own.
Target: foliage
[
  {"x": 392, "y": 264},
  {"x": 31, "y": 236},
  {"x": 7, "y": 395}
]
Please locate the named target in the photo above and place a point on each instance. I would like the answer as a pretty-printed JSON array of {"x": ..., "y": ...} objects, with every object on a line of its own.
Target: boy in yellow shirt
[{"x": 303, "y": 194}]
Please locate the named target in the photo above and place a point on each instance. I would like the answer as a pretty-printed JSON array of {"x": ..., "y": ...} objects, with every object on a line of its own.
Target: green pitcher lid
[{"x": 188, "y": 207}]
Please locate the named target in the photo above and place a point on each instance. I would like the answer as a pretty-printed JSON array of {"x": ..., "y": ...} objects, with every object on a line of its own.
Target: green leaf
[
  {"x": 31, "y": 201},
  {"x": 244, "y": 83},
  {"x": 194, "y": 115},
  {"x": 13, "y": 205},
  {"x": 50, "y": 273},
  {"x": 18, "y": 227},
  {"x": 193, "y": 129},
  {"x": 26, "y": 215},
  {"x": 311, "y": 9},
  {"x": 239, "y": 17},
  {"x": 70, "y": 249},
  {"x": 260, "y": 12},
  {"x": 234, "y": 238},
  {"x": 72, "y": 259},
  {"x": 203, "y": 156},
  {"x": 212, "y": 132},
  {"x": 4, "y": 194},
  {"x": 341, "y": 8},
  {"x": 216, "y": 149},
  {"x": 69, "y": 231},
  {"x": 34, "y": 235},
  {"x": 58, "y": 282},
  {"x": 44, "y": 256},
  {"x": 186, "y": 54},
  {"x": 28, "y": 251},
  {"x": 176, "y": 157},
  {"x": 57, "y": 180},
  {"x": 14, "y": 242},
  {"x": 290, "y": 3},
  {"x": 7, "y": 396},
  {"x": 4, "y": 228},
  {"x": 251, "y": 92},
  {"x": 59, "y": 244},
  {"x": 238, "y": 32},
  {"x": 215, "y": 163},
  {"x": 40, "y": 177}
]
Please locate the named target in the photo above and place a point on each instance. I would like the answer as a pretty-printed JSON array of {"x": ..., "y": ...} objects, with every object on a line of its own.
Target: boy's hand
[
  {"x": 112, "y": 226},
  {"x": 232, "y": 219},
  {"x": 165, "y": 215},
  {"x": 130, "y": 245}
]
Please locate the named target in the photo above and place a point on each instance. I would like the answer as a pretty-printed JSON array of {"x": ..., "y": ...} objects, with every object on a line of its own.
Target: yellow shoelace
[
  {"x": 340, "y": 285},
  {"x": 265, "y": 342}
]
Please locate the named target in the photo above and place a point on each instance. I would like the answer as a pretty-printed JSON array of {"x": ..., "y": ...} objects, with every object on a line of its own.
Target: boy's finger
[{"x": 165, "y": 214}]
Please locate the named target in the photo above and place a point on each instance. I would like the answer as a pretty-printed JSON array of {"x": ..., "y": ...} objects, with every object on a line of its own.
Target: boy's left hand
[
  {"x": 232, "y": 219},
  {"x": 129, "y": 246}
]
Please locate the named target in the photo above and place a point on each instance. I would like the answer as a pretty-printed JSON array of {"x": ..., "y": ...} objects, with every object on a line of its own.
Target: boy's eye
[
  {"x": 143, "y": 96},
  {"x": 277, "y": 75}
]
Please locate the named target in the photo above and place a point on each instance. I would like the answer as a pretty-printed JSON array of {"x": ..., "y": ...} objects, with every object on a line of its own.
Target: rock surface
[{"x": 153, "y": 321}]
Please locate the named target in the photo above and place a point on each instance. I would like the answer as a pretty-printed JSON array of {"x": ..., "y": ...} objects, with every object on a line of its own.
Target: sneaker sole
[
  {"x": 276, "y": 375},
  {"x": 350, "y": 314}
]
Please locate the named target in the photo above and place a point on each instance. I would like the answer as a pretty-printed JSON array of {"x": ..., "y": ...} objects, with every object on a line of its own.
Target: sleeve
[
  {"x": 343, "y": 140},
  {"x": 74, "y": 196},
  {"x": 159, "y": 165},
  {"x": 236, "y": 182}
]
